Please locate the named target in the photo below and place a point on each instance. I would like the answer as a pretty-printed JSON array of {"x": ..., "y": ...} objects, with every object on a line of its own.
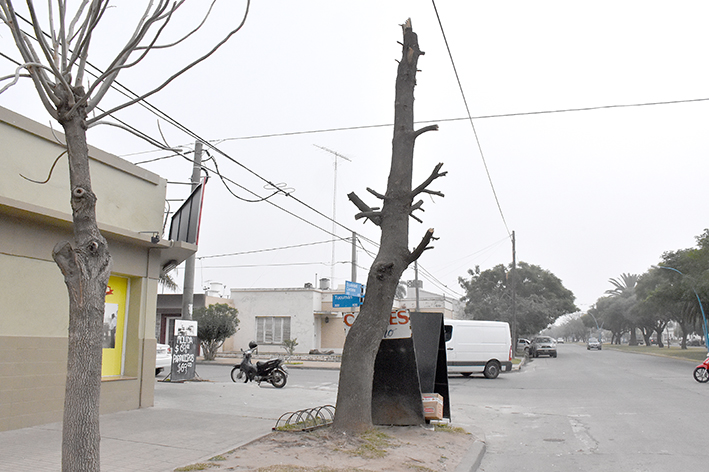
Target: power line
[
  {"x": 470, "y": 118},
  {"x": 256, "y": 251}
]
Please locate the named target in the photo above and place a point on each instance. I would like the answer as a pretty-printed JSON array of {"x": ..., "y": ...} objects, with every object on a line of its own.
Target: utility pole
[
  {"x": 353, "y": 276},
  {"x": 416, "y": 282},
  {"x": 514, "y": 291},
  {"x": 188, "y": 285}
]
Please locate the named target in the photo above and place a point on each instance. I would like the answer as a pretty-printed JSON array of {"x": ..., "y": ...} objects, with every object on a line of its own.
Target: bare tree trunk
[
  {"x": 86, "y": 266},
  {"x": 354, "y": 396}
]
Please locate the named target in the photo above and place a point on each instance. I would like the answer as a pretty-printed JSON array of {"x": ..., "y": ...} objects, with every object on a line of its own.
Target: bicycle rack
[{"x": 306, "y": 420}]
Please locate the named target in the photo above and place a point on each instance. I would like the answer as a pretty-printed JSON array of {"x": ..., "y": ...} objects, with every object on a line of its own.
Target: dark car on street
[
  {"x": 543, "y": 346},
  {"x": 593, "y": 343}
]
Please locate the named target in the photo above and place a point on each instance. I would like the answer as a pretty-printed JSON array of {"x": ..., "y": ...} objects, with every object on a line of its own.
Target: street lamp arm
[{"x": 701, "y": 308}]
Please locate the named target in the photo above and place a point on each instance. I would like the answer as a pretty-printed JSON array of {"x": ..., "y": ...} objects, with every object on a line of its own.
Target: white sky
[{"x": 589, "y": 194}]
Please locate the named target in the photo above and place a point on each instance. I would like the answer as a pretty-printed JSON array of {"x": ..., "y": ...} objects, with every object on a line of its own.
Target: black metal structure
[{"x": 430, "y": 348}]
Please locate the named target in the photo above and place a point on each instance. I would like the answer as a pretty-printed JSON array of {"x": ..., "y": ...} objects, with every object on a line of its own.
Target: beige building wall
[{"x": 34, "y": 304}]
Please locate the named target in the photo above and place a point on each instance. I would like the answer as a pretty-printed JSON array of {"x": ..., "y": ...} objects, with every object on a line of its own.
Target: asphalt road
[
  {"x": 584, "y": 410},
  {"x": 588, "y": 410}
]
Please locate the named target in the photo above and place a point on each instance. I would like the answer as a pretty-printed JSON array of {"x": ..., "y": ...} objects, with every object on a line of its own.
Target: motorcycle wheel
[
  {"x": 701, "y": 374},
  {"x": 235, "y": 374},
  {"x": 279, "y": 378}
]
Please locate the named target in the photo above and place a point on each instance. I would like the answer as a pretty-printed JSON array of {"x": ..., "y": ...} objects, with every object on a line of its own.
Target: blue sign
[
  {"x": 354, "y": 289},
  {"x": 345, "y": 301}
]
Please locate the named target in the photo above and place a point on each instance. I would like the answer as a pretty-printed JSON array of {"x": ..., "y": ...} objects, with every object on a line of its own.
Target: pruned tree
[
  {"x": 354, "y": 396},
  {"x": 56, "y": 61}
]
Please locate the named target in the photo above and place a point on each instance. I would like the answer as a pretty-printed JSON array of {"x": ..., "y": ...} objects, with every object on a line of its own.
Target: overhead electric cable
[
  {"x": 156, "y": 111},
  {"x": 465, "y": 118},
  {"x": 470, "y": 118},
  {"x": 255, "y": 251}
]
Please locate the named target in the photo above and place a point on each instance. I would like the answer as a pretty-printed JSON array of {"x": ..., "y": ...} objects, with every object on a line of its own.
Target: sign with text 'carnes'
[{"x": 399, "y": 324}]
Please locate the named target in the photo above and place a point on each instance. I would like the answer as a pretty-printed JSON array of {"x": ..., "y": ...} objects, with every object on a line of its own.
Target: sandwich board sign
[{"x": 184, "y": 351}]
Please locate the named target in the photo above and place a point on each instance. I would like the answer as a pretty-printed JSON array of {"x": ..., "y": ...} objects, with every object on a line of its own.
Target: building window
[{"x": 272, "y": 329}]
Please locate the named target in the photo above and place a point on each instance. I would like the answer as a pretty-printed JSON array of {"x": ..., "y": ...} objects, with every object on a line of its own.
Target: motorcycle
[
  {"x": 272, "y": 371},
  {"x": 701, "y": 372}
]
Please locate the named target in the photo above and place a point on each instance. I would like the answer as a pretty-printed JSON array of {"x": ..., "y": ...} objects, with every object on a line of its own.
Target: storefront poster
[{"x": 114, "y": 321}]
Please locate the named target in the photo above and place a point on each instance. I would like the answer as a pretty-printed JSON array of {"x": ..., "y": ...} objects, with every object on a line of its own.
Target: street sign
[
  {"x": 354, "y": 289},
  {"x": 345, "y": 301}
]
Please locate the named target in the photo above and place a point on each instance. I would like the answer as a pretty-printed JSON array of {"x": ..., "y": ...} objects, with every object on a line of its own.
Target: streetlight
[
  {"x": 600, "y": 340},
  {"x": 706, "y": 336}
]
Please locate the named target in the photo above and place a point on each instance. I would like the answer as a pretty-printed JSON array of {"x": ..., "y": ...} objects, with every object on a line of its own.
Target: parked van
[{"x": 478, "y": 346}]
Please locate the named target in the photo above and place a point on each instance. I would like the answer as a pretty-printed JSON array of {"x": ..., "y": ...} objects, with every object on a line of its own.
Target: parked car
[
  {"x": 593, "y": 343},
  {"x": 163, "y": 357},
  {"x": 543, "y": 346},
  {"x": 523, "y": 344}
]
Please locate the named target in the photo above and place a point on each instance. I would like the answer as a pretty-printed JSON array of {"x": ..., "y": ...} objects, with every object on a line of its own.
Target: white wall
[{"x": 299, "y": 304}]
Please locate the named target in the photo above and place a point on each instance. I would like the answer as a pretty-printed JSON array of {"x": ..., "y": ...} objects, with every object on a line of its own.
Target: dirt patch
[{"x": 390, "y": 449}]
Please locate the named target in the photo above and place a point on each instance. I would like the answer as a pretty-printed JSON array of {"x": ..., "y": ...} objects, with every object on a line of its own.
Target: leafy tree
[
  {"x": 55, "y": 60},
  {"x": 354, "y": 395},
  {"x": 614, "y": 310},
  {"x": 574, "y": 329},
  {"x": 671, "y": 295},
  {"x": 541, "y": 297},
  {"x": 215, "y": 324},
  {"x": 611, "y": 313}
]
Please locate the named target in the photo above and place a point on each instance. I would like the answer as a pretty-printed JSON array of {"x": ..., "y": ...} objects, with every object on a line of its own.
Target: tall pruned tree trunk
[
  {"x": 86, "y": 266},
  {"x": 354, "y": 396}
]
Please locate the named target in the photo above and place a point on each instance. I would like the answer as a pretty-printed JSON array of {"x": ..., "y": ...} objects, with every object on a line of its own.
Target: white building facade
[{"x": 270, "y": 316}]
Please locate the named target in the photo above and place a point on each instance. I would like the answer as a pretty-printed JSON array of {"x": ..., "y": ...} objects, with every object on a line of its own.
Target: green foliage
[
  {"x": 541, "y": 297},
  {"x": 289, "y": 345},
  {"x": 669, "y": 294},
  {"x": 215, "y": 324}
]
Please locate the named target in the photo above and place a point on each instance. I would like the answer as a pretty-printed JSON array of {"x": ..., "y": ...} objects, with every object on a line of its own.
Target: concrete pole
[
  {"x": 188, "y": 285},
  {"x": 353, "y": 277},
  {"x": 416, "y": 282},
  {"x": 514, "y": 292}
]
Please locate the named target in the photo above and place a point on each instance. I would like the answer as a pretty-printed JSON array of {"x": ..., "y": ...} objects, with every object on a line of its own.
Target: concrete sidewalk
[{"x": 189, "y": 423}]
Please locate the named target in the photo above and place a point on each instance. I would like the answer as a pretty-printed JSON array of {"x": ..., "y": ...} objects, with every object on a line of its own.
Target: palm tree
[{"x": 625, "y": 287}]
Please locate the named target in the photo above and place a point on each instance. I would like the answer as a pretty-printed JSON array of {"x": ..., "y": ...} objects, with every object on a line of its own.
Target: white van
[{"x": 478, "y": 346}]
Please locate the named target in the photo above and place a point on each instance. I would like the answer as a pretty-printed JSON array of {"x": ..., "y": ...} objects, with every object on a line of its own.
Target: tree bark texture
[
  {"x": 354, "y": 396},
  {"x": 86, "y": 266}
]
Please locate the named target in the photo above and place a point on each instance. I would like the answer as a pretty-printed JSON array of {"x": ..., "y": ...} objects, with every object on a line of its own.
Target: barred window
[{"x": 272, "y": 329}]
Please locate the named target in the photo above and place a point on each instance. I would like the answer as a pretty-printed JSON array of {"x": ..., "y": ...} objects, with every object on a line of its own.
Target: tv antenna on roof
[{"x": 334, "y": 205}]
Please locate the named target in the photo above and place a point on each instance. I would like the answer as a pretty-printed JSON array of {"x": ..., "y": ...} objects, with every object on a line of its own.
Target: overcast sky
[{"x": 590, "y": 194}]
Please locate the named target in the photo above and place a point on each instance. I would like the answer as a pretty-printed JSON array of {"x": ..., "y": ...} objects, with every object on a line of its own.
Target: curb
[{"x": 472, "y": 459}]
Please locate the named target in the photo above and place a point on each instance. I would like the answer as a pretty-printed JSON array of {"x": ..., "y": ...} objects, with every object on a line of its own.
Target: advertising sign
[
  {"x": 184, "y": 351},
  {"x": 114, "y": 322},
  {"x": 185, "y": 222},
  {"x": 399, "y": 324}
]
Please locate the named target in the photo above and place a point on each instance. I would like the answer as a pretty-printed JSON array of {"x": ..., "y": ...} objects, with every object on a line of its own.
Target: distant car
[
  {"x": 163, "y": 357},
  {"x": 523, "y": 344},
  {"x": 560, "y": 341},
  {"x": 543, "y": 346},
  {"x": 594, "y": 343}
]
